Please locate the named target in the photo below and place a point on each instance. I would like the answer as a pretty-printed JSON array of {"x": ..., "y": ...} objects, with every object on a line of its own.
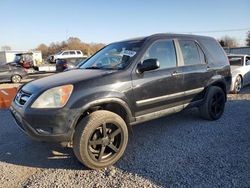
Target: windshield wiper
[
  {"x": 100, "y": 68},
  {"x": 92, "y": 68}
]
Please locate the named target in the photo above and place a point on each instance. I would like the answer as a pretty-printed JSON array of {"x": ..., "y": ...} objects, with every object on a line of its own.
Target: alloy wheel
[
  {"x": 16, "y": 79},
  {"x": 238, "y": 85},
  {"x": 105, "y": 142},
  {"x": 217, "y": 104}
]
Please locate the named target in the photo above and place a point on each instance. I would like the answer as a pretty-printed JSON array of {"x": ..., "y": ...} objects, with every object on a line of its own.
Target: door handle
[{"x": 175, "y": 73}]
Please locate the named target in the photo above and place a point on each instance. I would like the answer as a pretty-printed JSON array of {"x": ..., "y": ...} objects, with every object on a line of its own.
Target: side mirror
[{"x": 147, "y": 65}]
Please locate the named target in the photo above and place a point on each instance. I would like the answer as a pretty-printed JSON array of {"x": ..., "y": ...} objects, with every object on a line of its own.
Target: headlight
[{"x": 56, "y": 97}]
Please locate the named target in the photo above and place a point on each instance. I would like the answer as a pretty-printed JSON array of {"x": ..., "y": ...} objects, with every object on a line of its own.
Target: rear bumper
[{"x": 49, "y": 126}]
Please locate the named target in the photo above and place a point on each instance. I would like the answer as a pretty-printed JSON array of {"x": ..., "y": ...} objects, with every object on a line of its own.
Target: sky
[{"x": 27, "y": 23}]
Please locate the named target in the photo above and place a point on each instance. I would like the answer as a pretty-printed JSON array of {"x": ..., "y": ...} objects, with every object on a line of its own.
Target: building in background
[{"x": 238, "y": 50}]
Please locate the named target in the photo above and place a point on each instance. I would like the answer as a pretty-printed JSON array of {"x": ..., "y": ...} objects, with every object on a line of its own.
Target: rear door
[
  {"x": 158, "y": 89},
  {"x": 194, "y": 69},
  {"x": 5, "y": 72}
]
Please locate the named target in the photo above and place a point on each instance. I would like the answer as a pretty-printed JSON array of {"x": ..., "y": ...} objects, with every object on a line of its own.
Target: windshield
[
  {"x": 115, "y": 56},
  {"x": 236, "y": 60},
  {"x": 82, "y": 62}
]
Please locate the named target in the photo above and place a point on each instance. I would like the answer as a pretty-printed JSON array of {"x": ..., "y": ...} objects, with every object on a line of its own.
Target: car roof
[{"x": 164, "y": 35}]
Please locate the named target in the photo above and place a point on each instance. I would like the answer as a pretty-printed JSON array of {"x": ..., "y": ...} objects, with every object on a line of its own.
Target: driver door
[{"x": 158, "y": 89}]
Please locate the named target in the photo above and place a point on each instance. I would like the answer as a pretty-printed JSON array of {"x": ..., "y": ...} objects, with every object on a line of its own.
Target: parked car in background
[
  {"x": 24, "y": 59},
  {"x": 9, "y": 56},
  {"x": 66, "y": 54},
  {"x": 125, "y": 83},
  {"x": 71, "y": 63},
  {"x": 240, "y": 68},
  {"x": 12, "y": 73}
]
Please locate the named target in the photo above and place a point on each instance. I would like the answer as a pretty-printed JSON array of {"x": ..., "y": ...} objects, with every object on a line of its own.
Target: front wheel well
[{"x": 110, "y": 106}]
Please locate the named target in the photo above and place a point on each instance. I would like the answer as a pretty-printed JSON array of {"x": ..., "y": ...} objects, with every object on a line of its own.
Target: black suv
[{"x": 123, "y": 84}]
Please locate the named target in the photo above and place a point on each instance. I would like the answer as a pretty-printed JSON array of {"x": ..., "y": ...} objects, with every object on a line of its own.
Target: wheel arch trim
[
  {"x": 105, "y": 101},
  {"x": 218, "y": 81}
]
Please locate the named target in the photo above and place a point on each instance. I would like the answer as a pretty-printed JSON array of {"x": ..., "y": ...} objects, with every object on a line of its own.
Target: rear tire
[
  {"x": 100, "y": 139},
  {"x": 213, "y": 106},
  {"x": 16, "y": 78}
]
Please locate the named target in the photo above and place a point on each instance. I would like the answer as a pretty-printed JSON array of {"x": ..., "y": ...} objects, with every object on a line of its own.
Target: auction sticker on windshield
[{"x": 129, "y": 53}]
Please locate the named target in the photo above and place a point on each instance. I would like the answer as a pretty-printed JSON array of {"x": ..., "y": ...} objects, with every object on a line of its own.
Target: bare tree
[
  {"x": 222, "y": 42},
  {"x": 44, "y": 49},
  {"x": 228, "y": 42},
  {"x": 5, "y": 47},
  {"x": 73, "y": 43},
  {"x": 248, "y": 38}
]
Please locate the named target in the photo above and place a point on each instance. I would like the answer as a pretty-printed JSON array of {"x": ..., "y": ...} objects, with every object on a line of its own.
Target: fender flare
[
  {"x": 119, "y": 101},
  {"x": 217, "y": 82}
]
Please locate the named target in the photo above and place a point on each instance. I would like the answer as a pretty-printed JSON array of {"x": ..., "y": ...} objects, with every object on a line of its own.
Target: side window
[
  {"x": 190, "y": 52},
  {"x": 78, "y": 52},
  {"x": 65, "y": 53},
  {"x": 72, "y": 52},
  {"x": 214, "y": 50},
  {"x": 164, "y": 51}
]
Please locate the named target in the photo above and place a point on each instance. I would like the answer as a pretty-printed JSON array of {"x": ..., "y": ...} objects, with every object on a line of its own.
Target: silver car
[{"x": 240, "y": 68}]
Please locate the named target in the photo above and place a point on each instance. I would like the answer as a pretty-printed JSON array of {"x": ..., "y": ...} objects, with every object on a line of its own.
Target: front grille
[{"x": 22, "y": 97}]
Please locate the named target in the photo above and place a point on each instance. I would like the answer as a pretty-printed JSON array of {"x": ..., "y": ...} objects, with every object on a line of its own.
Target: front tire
[
  {"x": 213, "y": 106},
  {"x": 100, "y": 139}
]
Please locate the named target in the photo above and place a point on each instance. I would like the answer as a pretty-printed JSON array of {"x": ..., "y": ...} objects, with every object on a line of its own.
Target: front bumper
[
  {"x": 232, "y": 83},
  {"x": 45, "y": 125}
]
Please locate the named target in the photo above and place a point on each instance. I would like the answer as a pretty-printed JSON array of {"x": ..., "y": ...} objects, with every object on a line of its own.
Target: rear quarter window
[{"x": 215, "y": 53}]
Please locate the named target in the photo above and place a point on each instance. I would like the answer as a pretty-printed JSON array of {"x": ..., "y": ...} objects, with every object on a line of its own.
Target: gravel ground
[{"x": 175, "y": 151}]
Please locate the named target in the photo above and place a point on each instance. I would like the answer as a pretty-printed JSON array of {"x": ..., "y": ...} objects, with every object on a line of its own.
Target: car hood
[{"x": 68, "y": 77}]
